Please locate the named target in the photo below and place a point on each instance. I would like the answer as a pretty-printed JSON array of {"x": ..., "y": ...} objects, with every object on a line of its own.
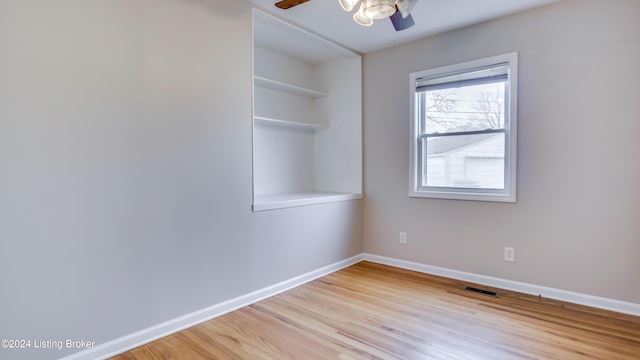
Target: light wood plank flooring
[{"x": 371, "y": 311}]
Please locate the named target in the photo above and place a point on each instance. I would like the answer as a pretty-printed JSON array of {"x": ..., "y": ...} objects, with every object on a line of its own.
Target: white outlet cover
[{"x": 509, "y": 254}]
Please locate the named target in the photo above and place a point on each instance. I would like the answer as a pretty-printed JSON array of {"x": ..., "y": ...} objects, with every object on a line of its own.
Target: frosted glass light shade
[
  {"x": 405, "y": 6},
  {"x": 378, "y": 9},
  {"x": 361, "y": 19},
  {"x": 348, "y": 5}
]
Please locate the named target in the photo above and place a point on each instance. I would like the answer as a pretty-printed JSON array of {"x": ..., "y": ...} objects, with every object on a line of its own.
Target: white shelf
[
  {"x": 280, "y": 201},
  {"x": 287, "y": 88},
  {"x": 307, "y": 118},
  {"x": 260, "y": 120}
]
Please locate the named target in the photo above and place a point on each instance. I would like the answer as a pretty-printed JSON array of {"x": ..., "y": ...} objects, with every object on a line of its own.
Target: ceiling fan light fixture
[
  {"x": 361, "y": 19},
  {"x": 348, "y": 5},
  {"x": 405, "y": 6},
  {"x": 378, "y": 9}
]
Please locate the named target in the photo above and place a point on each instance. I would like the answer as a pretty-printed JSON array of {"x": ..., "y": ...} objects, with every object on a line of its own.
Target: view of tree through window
[{"x": 470, "y": 108}]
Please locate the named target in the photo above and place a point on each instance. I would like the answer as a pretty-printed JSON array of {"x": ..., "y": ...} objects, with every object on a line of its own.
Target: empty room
[{"x": 320, "y": 179}]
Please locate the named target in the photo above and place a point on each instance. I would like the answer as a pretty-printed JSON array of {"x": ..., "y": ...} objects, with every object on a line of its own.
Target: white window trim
[{"x": 509, "y": 192}]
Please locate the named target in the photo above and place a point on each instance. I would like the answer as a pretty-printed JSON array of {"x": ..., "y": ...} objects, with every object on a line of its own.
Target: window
[{"x": 463, "y": 138}]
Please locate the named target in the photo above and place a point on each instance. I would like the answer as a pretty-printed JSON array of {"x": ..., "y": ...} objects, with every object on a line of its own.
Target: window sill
[{"x": 462, "y": 195}]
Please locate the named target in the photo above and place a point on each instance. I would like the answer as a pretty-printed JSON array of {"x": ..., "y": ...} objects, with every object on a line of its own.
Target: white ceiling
[{"x": 326, "y": 18}]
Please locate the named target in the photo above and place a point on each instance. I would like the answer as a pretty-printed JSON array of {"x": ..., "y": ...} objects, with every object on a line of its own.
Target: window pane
[
  {"x": 464, "y": 161},
  {"x": 468, "y": 108}
]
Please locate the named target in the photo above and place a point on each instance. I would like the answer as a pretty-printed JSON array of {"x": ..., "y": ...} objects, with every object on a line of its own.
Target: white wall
[
  {"x": 575, "y": 225},
  {"x": 339, "y": 147},
  {"x": 125, "y": 171}
]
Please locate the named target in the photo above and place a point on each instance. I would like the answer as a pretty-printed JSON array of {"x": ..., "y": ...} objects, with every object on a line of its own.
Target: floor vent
[{"x": 482, "y": 292}]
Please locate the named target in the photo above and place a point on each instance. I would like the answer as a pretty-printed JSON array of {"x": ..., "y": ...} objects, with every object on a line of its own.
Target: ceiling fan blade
[
  {"x": 400, "y": 23},
  {"x": 287, "y": 4}
]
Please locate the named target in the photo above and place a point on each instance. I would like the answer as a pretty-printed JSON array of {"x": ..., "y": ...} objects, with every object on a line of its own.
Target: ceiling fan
[{"x": 398, "y": 11}]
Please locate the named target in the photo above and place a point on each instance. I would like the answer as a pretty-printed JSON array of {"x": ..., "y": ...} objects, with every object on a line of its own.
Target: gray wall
[
  {"x": 125, "y": 171},
  {"x": 575, "y": 225},
  {"x": 125, "y": 164}
]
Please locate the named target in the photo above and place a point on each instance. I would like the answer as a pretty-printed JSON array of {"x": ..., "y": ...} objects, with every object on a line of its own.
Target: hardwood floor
[{"x": 371, "y": 311}]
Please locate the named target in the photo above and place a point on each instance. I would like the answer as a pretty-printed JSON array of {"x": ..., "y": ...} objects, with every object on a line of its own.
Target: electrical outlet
[
  {"x": 509, "y": 254},
  {"x": 403, "y": 237}
]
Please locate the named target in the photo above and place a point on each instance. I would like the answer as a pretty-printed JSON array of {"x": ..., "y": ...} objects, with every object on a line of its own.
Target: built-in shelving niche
[{"x": 307, "y": 118}]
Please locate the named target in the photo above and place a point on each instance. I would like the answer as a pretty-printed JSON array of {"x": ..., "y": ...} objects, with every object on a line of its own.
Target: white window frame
[{"x": 508, "y": 194}]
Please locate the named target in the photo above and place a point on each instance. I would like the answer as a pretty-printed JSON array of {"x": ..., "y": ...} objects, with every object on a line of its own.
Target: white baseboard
[
  {"x": 551, "y": 293},
  {"x": 118, "y": 346}
]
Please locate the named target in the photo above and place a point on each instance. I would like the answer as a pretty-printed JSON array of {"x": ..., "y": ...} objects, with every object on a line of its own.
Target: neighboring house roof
[{"x": 441, "y": 145}]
